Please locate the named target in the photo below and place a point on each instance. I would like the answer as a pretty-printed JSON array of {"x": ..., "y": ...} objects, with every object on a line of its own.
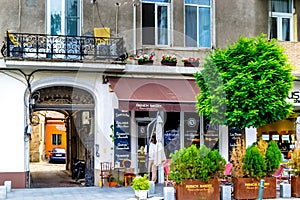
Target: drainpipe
[{"x": 134, "y": 28}]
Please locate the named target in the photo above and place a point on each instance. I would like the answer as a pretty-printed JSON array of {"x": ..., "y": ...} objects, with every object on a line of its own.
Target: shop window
[
  {"x": 281, "y": 23},
  {"x": 56, "y": 139},
  {"x": 155, "y": 22},
  {"x": 197, "y": 23}
]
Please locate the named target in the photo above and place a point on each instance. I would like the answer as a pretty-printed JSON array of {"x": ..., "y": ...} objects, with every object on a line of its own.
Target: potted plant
[
  {"x": 190, "y": 62},
  {"x": 196, "y": 172},
  {"x": 145, "y": 59},
  {"x": 258, "y": 162},
  {"x": 294, "y": 163},
  {"x": 141, "y": 186},
  {"x": 113, "y": 182},
  {"x": 169, "y": 60}
]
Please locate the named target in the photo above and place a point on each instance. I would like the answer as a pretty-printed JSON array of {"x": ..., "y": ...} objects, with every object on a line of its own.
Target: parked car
[{"x": 57, "y": 155}]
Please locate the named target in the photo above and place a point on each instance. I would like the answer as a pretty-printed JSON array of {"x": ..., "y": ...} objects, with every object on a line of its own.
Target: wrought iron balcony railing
[{"x": 62, "y": 47}]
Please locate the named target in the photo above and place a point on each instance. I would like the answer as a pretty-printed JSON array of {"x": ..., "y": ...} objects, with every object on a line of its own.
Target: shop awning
[{"x": 143, "y": 94}]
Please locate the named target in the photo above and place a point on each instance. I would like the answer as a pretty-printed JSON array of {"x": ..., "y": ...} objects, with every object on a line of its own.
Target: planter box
[
  {"x": 150, "y": 62},
  {"x": 141, "y": 194},
  {"x": 167, "y": 63},
  {"x": 295, "y": 186},
  {"x": 192, "y": 64},
  {"x": 247, "y": 188},
  {"x": 196, "y": 189}
]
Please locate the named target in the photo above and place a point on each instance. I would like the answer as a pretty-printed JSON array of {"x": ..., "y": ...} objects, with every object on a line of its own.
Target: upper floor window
[
  {"x": 63, "y": 17},
  {"x": 197, "y": 23},
  {"x": 281, "y": 23},
  {"x": 155, "y": 22}
]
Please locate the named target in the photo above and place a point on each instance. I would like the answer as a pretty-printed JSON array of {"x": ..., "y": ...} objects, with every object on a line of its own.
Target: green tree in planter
[
  {"x": 272, "y": 158},
  {"x": 246, "y": 84},
  {"x": 196, "y": 163},
  {"x": 254, "y": 163}
]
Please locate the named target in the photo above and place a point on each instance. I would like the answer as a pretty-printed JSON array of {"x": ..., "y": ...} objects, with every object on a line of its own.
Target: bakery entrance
[{"x": 144, "y": 129}]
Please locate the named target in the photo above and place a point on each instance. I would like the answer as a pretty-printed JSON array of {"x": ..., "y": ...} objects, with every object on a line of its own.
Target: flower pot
[
  {"x": 149, "y": 62},
  {"x": 141, "y": 194},
  {"x": 247, "y": 188},
  {"x": 295, "y": 186},
  {"x": 168, "y": 63},
  {"x": 193, "y": 189},
  {"x": 192, "y": 64}
]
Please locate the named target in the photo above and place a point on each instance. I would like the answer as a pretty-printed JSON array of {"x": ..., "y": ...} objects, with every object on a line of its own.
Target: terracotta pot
[
  {"x": 295, "y": 186},
  {"x": 247, "y": 188},
  {"x": 150, "y": 62},
  {"x": 168, "y": 63},
  {"x": 112, "y": 184},
  {"x": 197, "y": 189}
]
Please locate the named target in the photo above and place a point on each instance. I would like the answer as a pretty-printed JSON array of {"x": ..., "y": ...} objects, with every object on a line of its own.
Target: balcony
[{"x": 62, "y": 47}]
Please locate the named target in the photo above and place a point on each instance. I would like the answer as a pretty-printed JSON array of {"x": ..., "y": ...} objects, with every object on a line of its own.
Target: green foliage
[
  {"x": 245, "y": 84},
  {"x": 196, "y": 163},
  {"x": 140, "y": 183},
  {"x": 254, "y": 163},
  {"x": 272, "y": 158}
]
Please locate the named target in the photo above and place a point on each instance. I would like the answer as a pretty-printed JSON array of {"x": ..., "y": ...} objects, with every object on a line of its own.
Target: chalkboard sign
[
  {"x": 233, "y": 135},
  {"x": 122, "y": 135}
]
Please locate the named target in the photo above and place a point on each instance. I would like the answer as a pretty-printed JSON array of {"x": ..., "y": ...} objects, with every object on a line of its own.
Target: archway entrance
[{"x": 69, "y": 110}]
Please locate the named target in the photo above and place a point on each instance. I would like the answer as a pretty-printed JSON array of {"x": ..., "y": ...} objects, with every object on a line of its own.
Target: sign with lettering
[
  {"x": 122, "y": 135},
  {"x": 233, "y": 135}
]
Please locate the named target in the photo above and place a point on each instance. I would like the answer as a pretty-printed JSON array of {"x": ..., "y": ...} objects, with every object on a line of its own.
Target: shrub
[
  {"x": 196, "y": 163},
  {"x": 272, "y": 158},
  {"x": 254, "y": 163}
]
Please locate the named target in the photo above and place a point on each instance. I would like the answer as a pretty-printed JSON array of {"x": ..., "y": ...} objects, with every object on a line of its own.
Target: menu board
[
  {"x": 122, "y": 135},
  {"x": 233, "y": 135}
]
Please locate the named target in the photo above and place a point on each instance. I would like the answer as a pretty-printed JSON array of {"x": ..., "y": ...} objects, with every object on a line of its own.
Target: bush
[
  {"x": 196, "y": 163},
  {"x": 254, "y": 163},
  {"x": 272, "y": 158}
]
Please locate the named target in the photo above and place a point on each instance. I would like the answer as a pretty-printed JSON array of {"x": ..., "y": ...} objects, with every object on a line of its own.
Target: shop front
[{"x": 142, "y": 104}]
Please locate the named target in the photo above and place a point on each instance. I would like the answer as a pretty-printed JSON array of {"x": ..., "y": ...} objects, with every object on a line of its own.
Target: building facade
[{"x": 77, "y": 57}]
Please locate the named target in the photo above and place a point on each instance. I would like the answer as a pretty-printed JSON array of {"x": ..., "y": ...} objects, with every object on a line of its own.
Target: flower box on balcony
[
  {"x": 168, "y": 63},
  {"x": 149, "y": 62},
  {"x": 192, "y": 64}
]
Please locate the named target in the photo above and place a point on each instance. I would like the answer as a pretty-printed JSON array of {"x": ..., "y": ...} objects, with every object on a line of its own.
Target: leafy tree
[{"x": 245, "y": 84}]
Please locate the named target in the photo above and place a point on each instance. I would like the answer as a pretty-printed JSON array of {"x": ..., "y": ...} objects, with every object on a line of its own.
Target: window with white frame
[
  {"x": 281, "y": 23},
  {"x": 197, "y": 23},
  {"x": 155, "y": 22},
  {"x": 63, "y": 17}
]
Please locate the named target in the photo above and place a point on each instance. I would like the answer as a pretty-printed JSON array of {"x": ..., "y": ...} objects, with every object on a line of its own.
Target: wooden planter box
[
  {"x": 196, "y": 189},
  {"x": 247, "y": 188},
  {"x": 295, "y": 186}
]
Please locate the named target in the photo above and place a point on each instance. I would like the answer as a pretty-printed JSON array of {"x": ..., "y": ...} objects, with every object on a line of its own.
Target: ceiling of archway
[{"x": 62, "y": 96}]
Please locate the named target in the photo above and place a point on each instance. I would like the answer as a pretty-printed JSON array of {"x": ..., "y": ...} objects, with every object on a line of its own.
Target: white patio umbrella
[{"x": 160, "y": 155}]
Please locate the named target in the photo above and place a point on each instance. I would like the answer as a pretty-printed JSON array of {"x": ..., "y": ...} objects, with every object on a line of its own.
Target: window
[
  {"x": 197, "y": 23},
  {"x": 155, "y": 22},
  {"x": 56, "y": 139},
  {"x": 281, "y": 23},
  {"x": 63, "y": 17}
]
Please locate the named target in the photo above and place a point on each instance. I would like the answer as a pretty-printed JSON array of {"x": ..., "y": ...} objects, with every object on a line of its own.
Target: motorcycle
[{"x": 78, "y": 170}]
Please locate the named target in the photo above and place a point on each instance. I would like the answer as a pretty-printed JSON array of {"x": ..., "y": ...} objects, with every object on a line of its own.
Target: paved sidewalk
[{"x": 78, "y": 193}]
